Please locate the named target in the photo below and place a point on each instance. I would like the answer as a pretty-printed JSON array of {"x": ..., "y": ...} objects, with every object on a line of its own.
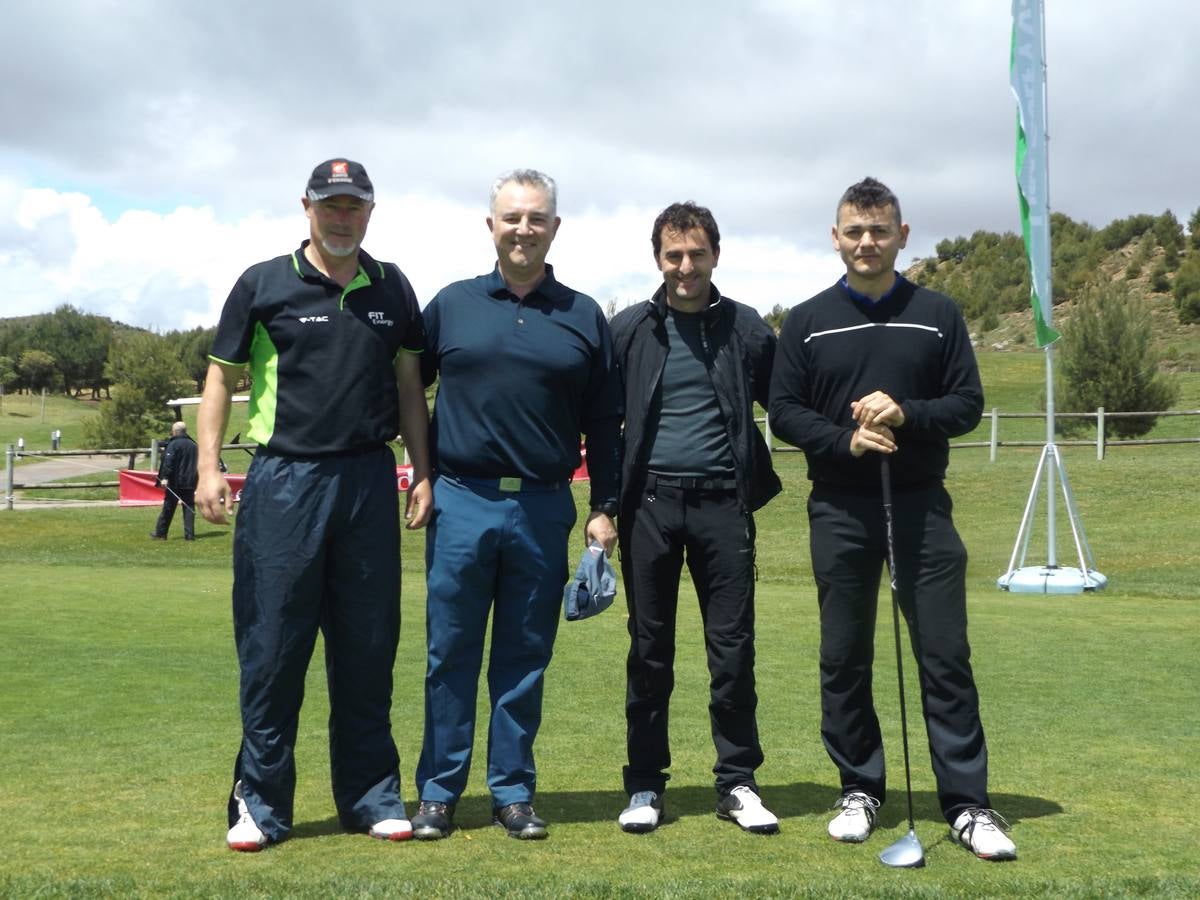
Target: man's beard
[{"x": 338, "y": 251}]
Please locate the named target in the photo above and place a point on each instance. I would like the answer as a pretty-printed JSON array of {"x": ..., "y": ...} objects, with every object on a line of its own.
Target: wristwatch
[{"x": 608, "y": 507}]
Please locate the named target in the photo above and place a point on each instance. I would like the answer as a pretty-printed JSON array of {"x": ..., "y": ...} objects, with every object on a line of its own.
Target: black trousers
[
  {"x": 711, "y": 529},
  {"x": 848, "y": 541},
  {"x": 171, "y": 498}
]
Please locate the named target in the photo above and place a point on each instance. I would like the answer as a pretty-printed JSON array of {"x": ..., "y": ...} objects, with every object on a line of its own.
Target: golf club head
[{"x": 906, "y": 853}]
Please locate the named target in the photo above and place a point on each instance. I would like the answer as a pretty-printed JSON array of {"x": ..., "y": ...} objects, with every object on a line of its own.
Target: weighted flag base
[{"x": 1051, "y": 580}]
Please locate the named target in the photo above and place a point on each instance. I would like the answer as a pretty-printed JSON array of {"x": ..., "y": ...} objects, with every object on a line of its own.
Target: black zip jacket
[{"x": 740, "y": 348}]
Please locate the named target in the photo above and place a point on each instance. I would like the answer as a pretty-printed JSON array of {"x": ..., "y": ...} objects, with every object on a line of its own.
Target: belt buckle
[{"x": 510, "y": 485}]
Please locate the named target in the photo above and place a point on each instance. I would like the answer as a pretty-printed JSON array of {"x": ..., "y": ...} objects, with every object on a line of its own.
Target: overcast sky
[{"x": 150, "y": 150}]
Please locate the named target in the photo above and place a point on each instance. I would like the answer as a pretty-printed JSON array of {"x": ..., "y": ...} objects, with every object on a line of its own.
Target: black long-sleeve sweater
[{"x": 912, "y": 345}]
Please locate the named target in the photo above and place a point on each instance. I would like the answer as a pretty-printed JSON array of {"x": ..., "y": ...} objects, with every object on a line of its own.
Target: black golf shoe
[{"x": 520, "y": 821}]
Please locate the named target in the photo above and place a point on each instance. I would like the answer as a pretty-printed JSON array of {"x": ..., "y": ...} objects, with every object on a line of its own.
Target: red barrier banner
[{"x": 139, "y": 489}]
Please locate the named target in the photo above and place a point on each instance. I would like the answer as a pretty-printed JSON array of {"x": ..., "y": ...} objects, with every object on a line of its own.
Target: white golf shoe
[
  {"x": 392, "y": 830},
  {"x": 642, "y": 814},
  {"x": 743, "y": 806},
  {"x": 982, "y": 831},
  {"x": 245, "y": 835},
  {"x": 856, "y": 821}
]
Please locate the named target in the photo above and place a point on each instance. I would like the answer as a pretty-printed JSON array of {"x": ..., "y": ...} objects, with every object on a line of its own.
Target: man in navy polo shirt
[
  {"x": 525, "y": 365},
  {"x": 333, "y": 341}
]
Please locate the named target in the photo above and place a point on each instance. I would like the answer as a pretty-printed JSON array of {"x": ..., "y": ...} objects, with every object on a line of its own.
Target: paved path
[{"x": 55, "y": 468}]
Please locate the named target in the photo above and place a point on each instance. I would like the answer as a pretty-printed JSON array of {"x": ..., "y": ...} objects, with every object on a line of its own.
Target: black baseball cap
[{"x": 338, "y": 177}]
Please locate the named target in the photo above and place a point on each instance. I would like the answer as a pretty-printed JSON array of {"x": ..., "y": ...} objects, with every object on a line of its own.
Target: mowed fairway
[{"x": 119, "y": 724}]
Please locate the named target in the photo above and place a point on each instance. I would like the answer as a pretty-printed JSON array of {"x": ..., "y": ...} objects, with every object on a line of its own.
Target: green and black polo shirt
[{"x": 321, "y": 357}]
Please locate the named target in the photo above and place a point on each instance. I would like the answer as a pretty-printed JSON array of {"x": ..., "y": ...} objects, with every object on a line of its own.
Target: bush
[
  {"x": 1107, "y": 360},
  {"x": 1187, "y": 290}
]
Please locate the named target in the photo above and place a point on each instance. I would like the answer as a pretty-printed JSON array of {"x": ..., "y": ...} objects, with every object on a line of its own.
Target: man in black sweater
[
  {"x": 696, "y": 468},
  {"x": 177, "y": 475},
  {"x": 877, "y": 365}
]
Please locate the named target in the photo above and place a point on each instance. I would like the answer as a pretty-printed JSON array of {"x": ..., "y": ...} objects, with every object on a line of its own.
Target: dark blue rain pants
[{"x": 317, "y": 546}]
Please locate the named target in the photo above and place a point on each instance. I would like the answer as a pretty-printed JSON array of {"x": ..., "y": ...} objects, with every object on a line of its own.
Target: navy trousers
[
  {"x": 317, "y": 548},
  {"x": 171, "y": 498},
  {"x": 715, "y": 533},
  {"x": 848, "y": 541},
  {"x": 488, "y": 550}
]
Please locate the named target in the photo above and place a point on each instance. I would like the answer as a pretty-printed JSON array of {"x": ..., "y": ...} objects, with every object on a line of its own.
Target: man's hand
[
  {"x": 877, "y": 409},
  {"x": 878, "y": 439},
  {"x": 213, "y": 497},
  {"x": 419, "y": 507},
  {"x": 600, "y": 528}
]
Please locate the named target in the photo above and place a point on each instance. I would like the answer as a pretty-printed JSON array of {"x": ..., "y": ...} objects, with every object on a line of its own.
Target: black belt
[
  {"x": 689, "y": 483},
  {"x": 507, "y": 485}
]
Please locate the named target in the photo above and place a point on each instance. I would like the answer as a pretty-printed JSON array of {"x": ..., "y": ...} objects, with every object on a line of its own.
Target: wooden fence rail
[{"x": 1101, "y": 441}]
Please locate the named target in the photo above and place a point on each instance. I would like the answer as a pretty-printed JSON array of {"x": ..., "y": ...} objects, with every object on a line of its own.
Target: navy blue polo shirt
[
  {"x": 321, "y": 357},
  {"x": 520, "y": 381}
]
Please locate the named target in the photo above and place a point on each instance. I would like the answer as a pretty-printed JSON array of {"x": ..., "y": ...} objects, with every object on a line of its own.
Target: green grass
[{"x": 118, "y": 711}]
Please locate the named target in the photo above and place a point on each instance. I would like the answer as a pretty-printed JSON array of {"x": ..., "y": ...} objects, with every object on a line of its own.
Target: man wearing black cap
[{"x": 333, "y": 340}]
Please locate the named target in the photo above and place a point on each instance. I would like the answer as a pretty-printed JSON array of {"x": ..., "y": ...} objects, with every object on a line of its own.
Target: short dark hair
[
  {"x": 683, "y": 217},
  {"x": 869, "y": 194}
]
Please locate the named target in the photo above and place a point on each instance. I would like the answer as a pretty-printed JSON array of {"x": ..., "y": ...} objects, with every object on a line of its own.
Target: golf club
[
  {"x": 182, "y": 502},
  {"x": 906, "y": 853}
]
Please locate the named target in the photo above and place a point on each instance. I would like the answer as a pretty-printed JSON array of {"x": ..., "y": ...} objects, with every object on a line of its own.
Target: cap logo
[{"x": 341, "y": 168}]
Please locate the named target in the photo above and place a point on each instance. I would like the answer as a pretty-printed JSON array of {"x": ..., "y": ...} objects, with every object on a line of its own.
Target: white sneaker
[
  {"x": 642, "y": 814},
  {"x": 982, "y": 831},
  {"x": 392, "y": 830},
  {"x": 743, "y": 806},
  {"x": 856, "y": 821},
  {"x": 245, "y": 835}
]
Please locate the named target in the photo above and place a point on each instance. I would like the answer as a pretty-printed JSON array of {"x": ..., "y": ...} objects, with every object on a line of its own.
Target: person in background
[{"x": 177, "y": 477}]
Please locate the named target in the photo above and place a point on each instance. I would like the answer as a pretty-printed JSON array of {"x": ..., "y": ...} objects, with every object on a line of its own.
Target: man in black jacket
[
  {"x": 695, "y": 470},
  {"x": 177, "y": 476},
  {"x": 877, "y": 365}
]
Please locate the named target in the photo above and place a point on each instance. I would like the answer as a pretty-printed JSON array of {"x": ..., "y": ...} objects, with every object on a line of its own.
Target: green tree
[
  {"x": 1107, "y": 360},
  {"x": 79, "y": 343},
  {"x": 37, "y": 368},
  {"x": 1187, "y": 290},
  {"x": 775, "y": 317},
  {"x": 145, "y": 373},
  {"x": 9, "y": 376},
  {"x": 1194, "y": 229},
  {"x": 192, "y": 348}
]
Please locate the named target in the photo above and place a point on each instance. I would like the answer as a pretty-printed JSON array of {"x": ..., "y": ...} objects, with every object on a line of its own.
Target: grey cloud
[{"x": 762, "y": 111}]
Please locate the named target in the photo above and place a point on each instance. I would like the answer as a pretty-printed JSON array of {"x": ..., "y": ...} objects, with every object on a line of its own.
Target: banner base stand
[{"x": 1051, "y": 580}]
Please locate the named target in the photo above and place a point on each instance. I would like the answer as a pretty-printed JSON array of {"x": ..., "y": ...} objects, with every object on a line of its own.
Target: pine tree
[{"x": 1107, "y": 360}]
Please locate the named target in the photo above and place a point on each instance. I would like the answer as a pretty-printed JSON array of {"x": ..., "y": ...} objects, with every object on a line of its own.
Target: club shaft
[{"x": 886, "y": 479}]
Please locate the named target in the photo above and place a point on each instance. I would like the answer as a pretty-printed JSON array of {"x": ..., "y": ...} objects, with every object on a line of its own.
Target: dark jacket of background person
[
  {"x": 741, "y": 350},
  {"x": 178, "y": 466}
]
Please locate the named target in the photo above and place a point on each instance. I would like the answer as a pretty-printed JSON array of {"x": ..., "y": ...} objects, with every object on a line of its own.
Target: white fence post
[
  {"x": 995, "y": 433},
  {"x": 1100, "y": 432},
  {"x": 767, "y": 430},
  {"x": 8, "y": 476}
]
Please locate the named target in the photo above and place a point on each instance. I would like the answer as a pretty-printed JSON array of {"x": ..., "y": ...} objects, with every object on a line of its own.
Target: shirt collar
[
  {"x": 548, "y": 288},
  {"x": 869, "y": 302}
]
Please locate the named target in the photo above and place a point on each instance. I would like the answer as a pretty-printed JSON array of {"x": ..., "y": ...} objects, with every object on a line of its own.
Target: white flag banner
[{"x": 1027, "y": 73}]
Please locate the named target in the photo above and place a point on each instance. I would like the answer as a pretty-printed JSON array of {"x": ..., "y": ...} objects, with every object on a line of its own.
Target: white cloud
[{"x": 173, "y": 270}]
